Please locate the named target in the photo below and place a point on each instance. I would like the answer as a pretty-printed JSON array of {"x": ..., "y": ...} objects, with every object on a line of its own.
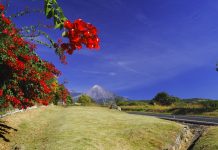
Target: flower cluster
[
  {"x": 2, "y": 7},
  {"x": 5, "y": 19},
  {"x": 79, "y": 33}
]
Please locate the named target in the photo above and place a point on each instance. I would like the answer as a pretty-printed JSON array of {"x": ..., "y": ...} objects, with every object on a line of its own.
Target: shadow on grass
[{"x": 5, "y": 129}]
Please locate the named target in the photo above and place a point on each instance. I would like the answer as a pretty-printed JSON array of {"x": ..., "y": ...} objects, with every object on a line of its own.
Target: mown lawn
[
  {"x": 87, "y": 128},
  {"x": 209, "y": 140}
]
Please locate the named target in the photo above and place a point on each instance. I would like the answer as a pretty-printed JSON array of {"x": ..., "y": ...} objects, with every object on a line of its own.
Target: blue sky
[{"x": 146, "y": 46}]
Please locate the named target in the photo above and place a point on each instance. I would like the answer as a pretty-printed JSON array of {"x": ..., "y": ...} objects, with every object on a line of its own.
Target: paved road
[{"x": 183, "y": 118}]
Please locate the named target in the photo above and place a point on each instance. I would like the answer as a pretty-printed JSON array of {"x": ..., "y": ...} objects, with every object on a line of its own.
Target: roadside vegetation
[
  {"x": 209, "y": 140},
  {"x": 85, "y": 100},
  {"x": 56, "y": 127},
  {"x": 164, "y": 103}
]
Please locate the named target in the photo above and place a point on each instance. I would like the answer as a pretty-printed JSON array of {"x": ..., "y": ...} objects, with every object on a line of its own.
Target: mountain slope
[{"x": 100, "y": 95}]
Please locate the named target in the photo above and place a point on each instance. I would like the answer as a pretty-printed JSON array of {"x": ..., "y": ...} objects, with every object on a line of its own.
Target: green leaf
[
  {"x": 55, "y": 19},
  {"x": 47, "y": 11},
  {"x": 58, "y": 25},
  {"x": 54, "y": 1},
  {"x": 50, "y": 14},
  {"x": 53, "y": 10}
]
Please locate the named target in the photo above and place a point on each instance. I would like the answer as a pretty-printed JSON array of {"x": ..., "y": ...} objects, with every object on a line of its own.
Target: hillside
[
  {"x": 209, "y": 140},
  {"x": 87, "y": 128}
]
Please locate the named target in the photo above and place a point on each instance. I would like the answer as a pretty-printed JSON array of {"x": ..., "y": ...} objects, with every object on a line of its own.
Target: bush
[
  {"x": 85, "y": 100},
  {"x": 26, "y": 79},
  {"x": 164, "y": 98},
  {"x": 210, "y": 104},
  {"x": 69, "y": 100},
  {"x": 120, "y": 101}
]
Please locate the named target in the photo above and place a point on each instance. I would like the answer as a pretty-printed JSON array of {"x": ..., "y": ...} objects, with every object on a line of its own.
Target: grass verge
[
  {"x": 86, "y": 128},
  {"x": 208, "y": 141}
]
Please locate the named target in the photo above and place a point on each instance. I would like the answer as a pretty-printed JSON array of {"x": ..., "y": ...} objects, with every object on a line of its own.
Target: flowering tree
[{"x": 26, "y": 79}]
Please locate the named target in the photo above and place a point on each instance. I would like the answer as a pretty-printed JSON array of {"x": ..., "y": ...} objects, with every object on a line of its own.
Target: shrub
[
  {"x": 25, "y": 78},
  {"x": 85, "y": 100},
  {"x": 164, "y": 98},
  {"x": 210, "y": 104},
  {"x": 69, "y": 100}
]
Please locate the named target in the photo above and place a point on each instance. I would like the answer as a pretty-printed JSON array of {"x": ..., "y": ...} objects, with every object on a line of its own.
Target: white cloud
[
  {"x": 112, "y": 74},
  {"x": 99, "y": 72},
  {"x": 126, "y": 65}
]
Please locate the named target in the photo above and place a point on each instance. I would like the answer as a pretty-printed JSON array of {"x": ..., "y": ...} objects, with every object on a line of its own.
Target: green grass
[
  {"x": 176, "y": 110},
  {"x": 87, "y": 128},
  {"x": 209, "y": 140},
  {"x": 147, "y": 108}
]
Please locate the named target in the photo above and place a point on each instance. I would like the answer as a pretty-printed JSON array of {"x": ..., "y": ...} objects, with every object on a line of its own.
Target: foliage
[
  {"x": 85, "y": 100},
  {"x": 120, "y": 101},
  {"x": 56, "y": 99},
  {"x": 164, "y": 98},
  {"x": 133, "y": 103},
  {"x": 147, "y": 108},
  {"x": 208, "y": 141},
  {"x": 64, "y": 94},
  {"x": 26, "y": 79},
  {"x": 203, "y": 107},
  {"x": 52, "y": 10},
  {"x": 209, "y": 104},
  {"x": 69, "y": 100}
]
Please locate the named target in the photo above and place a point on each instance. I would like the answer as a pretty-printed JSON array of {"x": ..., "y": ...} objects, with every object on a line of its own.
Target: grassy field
[
  {"x": 85, "y": 128},
  {"x": 183, "y": 110},
  {"x": 209, "y": 140}
]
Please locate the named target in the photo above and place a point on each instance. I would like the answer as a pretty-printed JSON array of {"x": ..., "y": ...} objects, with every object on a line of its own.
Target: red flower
[
  {"x": 70, "y": 51},
  {"x": 20, "y": 65},
  {"x": 26, "y": 57},
  {"x": 6, "y": 20},
  {"x": 78, "y": 46},
  {"x": 2, "y": 7},
  {"x": 5, "y": 31},
  {"x": 80, "y": 25},
  {"x": 1, "y": 92},
  {"x": 64, "y": 46},
  {"x": 67, "y": 24}
]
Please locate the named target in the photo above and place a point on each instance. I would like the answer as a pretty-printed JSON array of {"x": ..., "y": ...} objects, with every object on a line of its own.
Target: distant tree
[
  {"x": 174, "y": 99},
  {"x": 120, "y": 101},
  {"x": 164, "y": 98},
  {"x": 209, "y": 104},
  {"x": 69, "y": 100},
  {"x": 85, "y": 100}
]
